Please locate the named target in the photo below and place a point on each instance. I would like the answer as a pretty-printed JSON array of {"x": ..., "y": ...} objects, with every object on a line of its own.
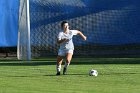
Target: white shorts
[{"x": 64, "y": 52}]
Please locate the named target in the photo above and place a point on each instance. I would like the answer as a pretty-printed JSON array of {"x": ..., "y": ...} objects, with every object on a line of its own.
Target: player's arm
[
  {"x": 82, "y": 35},
  {"x": 62, "y": 40}
]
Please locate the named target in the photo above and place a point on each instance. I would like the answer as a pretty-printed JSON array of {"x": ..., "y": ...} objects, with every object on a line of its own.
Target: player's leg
[
  {"x": 68, "y": 60},
  {"x": 61, "y": 54},
  {"x": 58, "y": 64}
]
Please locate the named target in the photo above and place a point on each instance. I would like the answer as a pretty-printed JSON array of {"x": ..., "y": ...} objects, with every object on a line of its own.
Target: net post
[{"x": 28, "y": 29}]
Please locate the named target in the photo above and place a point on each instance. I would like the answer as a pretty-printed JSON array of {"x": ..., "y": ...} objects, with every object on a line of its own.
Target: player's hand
[
  {"x": 85, "y": 38},
  {"x": 65, "y": 39}
]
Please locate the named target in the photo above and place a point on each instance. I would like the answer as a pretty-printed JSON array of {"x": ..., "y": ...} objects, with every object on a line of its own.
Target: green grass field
[{"x": 39, "y": 76}]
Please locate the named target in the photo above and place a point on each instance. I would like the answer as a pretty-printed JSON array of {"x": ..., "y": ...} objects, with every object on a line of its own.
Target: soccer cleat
[
  {"x": 58, "y": 73},
  {"x": 64, "y": 71}
]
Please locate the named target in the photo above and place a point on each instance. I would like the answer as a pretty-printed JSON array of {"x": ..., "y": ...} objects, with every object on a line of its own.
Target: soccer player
[{"x": 66, "y": 49}]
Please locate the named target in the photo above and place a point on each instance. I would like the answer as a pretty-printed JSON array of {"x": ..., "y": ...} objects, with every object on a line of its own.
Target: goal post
[{"x": 23, "y": 44}]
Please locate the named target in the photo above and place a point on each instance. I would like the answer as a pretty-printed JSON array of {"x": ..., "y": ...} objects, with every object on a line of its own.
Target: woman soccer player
[{"x": 66, "y": 49}]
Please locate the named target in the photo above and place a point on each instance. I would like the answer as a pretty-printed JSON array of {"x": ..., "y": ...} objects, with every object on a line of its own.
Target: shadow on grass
[
  {"x": 78, "y": 61},
  {"x": 68, "y": 75},
  {"x": 73, "y": 74},
  {"x": 49, "y": 75},
  {"x": 26, "y": 63}
]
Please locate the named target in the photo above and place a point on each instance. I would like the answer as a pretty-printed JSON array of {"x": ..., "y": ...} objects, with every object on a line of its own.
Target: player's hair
[{"x": 62, "y": 23}]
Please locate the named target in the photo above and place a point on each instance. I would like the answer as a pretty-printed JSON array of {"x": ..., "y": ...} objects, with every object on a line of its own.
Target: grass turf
[{"x": 39, "y": 76}]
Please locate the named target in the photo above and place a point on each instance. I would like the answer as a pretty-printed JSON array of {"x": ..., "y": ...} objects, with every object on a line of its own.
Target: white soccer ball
[{"x": 93, "y": 73}]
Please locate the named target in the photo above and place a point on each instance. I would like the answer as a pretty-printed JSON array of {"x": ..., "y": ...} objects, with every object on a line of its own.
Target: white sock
[
  {"x": 58, "y": 67},
  {"x": 66, "y": 64}
]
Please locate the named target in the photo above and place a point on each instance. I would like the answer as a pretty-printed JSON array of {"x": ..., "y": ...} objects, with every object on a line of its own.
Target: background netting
[{"x": 111, "y": 26}]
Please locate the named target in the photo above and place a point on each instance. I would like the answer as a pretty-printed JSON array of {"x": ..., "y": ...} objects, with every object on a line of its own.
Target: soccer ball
[{"x": 93, "y": 73}]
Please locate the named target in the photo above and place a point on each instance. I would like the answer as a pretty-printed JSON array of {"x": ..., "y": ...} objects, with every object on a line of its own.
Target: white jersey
[{"x": 69, "y": 44}]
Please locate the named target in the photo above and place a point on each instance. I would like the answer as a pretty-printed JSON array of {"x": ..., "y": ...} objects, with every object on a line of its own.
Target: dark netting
[{"x": 111, "y": 26}]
